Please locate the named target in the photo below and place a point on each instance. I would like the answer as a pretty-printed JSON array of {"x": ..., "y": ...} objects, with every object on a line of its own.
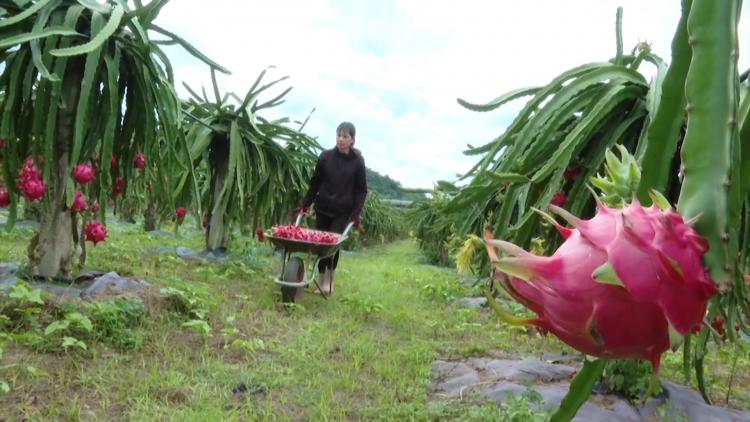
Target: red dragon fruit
[
  {"x": 558, "y": 199},
  {"x": 4, "y": 198},
  {"x": 83, "y": 174},
  {"x": 718, "y": 325},
  {"x": 259, "y": 234},
  {"x": 571, "y": 172},
  {"x": 298, "y": 233},
  {"x": 112, "y": 161},
  {"x": 95, "y": 232},
  {"x": 30, "y": 180},
  {"x": 79, "y": 202},
  {"x": 95, "y": 206},
  {"x": 117, "y": 188},
  {"x": 33, "y": 190},
  {"x": 28, "y": 173},
  {"x": 205, "y": 223},
  {"x": 628, "y": 283},
  {"x": 139, "y": 161},
  {"x": 179, "y": 212}
]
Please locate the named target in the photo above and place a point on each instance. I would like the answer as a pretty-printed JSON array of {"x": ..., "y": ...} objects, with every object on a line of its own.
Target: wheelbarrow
[{"x": 293, "y": 276}]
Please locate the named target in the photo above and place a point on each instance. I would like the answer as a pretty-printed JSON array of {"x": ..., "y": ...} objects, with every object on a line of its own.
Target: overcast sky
[{"x": 394, "y": 68}]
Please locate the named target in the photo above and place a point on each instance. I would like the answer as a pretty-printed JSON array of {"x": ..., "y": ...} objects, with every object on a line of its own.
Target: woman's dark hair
[{"x": 348, "y": 128}]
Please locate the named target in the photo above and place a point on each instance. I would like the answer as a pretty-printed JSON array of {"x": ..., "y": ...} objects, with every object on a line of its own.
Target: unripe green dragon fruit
[
  {"x": 621, "y": 177},
  {"x": 628, "y": 283}
]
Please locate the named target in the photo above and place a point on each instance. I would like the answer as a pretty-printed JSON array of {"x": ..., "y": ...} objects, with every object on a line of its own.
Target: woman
[{"x": 338, "y": 188}]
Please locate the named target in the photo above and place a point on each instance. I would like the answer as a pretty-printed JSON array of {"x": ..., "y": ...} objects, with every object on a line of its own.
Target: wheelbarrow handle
[{"x": 348, "y": 227}]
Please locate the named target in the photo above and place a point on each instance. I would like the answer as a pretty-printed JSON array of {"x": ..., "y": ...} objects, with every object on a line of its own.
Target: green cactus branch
[
  {"x": 663, "y": 132},
  {"x": 710, "y": 187}
]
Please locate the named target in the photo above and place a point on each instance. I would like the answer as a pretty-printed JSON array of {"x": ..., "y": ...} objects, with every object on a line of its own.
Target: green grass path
[{"x": 363, "y": 355}]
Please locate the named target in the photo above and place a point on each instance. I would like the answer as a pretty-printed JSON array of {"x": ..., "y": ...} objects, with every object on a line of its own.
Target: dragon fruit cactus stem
[
  {"x": 710, "y": 152},
  {"x": 664, "y": 130},
  {"x": 629, "y": 283}
]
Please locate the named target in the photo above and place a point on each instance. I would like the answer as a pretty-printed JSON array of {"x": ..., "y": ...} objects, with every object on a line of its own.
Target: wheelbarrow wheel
[{"x": 294, "y": 272}]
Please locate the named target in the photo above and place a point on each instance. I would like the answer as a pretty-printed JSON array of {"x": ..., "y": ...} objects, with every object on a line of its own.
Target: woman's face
[{"x": 344, "y": 141}]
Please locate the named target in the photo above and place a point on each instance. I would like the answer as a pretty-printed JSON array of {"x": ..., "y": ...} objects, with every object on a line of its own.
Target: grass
[{"x": 178, "y": 353}]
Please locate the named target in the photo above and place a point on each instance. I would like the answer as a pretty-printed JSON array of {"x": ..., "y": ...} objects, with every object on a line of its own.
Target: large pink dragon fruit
[
  {"x": 629, "y": 283},
  {"x": 95, "y": 232},
  {"x": 83, "y": 174}
]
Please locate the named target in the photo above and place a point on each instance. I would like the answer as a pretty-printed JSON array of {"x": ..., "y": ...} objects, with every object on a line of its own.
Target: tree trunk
[
  {"x": 217, "y": 230},
  {"x": 150, "y": 222},
  {"x": 51, "y": 248}
]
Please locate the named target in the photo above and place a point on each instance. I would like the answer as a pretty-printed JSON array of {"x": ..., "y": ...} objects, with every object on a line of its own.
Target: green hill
[{"x": 388, "y": 187}]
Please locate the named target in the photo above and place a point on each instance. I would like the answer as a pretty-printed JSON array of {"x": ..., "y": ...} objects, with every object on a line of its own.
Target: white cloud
[{"x": 395, "y": 68}]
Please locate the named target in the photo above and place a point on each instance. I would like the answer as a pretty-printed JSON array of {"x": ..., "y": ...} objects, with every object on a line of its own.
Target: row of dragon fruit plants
[
  {"x": 169, "y": 158},
  {"x": 648, "y": 188}
]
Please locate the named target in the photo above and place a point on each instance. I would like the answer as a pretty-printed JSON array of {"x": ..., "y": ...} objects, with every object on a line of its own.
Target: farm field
[
  {"x": 587, "y": 258},
  {"x": 364, "y": 354}
]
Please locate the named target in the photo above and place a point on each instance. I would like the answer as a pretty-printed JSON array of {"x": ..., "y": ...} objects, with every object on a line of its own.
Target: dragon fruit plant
[
  {"x": 76, "y": 116},
  {"x": 637, "y": 279}
]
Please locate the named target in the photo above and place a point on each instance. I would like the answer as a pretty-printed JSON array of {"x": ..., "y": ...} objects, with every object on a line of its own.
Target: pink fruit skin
[
  {"x": 95, "y": 207},
  {"x": 662, "y": 283},
  {"x": 4, "y": 198},
  {"x": 139, "y": 161},
  {"x": 117, "y": 188},
  {"x": 79, "y": 202},
  {"x": 179, "y": 211},
  {"x": 83, "y": 174},
  {"x": 30, "y": 180},
  {"x": 95, "y": 232},
  {"x": 558, "y": 199},
  {"x": 33, "y": 190}
]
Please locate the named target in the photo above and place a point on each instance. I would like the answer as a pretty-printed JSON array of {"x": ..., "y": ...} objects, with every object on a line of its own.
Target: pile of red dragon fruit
[{"x": 298, "y": 233}]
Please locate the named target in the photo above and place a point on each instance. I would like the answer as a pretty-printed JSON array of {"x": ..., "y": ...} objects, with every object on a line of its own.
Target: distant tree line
[{"x": 389, "y": 188}]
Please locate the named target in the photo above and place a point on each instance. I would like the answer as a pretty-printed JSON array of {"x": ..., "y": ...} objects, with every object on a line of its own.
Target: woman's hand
[{"x": 301, "y": 210}]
